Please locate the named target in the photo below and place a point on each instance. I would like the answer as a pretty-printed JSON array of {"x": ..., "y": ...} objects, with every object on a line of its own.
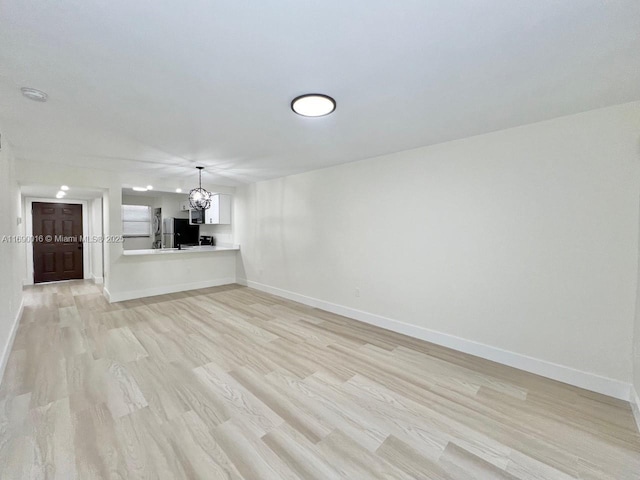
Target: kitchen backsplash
[{"x": 223, "y": 233}]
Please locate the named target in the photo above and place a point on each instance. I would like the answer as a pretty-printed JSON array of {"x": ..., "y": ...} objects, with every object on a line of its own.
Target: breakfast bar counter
[{"x": 183, "y": 250}]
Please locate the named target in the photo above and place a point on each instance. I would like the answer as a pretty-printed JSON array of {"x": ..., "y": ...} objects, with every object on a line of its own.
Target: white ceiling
[
  {"x": 48, "y": 191},
  {"x": 157, "y": 87}
]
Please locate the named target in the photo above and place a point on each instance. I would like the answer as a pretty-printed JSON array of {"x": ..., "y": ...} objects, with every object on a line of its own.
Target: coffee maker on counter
[{"x": 207, "y": 240}]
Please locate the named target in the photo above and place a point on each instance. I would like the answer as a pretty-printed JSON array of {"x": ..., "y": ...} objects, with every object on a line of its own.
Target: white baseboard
[
  {"x": 98, "y": 280},
  {"x": 635, "y": 406},
  {"x": 150, "y": 292},
  {"x": 12, "y": 336},
  {"x": 589, "y": 381}
]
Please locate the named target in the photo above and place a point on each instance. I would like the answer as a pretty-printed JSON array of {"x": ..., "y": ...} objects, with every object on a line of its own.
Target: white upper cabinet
[{"x": 219, "y": 213}]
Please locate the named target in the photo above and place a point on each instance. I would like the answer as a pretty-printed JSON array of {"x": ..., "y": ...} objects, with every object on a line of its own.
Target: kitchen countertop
[{"x": 185, "y": 250}]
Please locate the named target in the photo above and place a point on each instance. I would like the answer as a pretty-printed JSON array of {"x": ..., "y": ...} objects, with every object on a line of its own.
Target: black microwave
[{"x": 196, "y": 217}]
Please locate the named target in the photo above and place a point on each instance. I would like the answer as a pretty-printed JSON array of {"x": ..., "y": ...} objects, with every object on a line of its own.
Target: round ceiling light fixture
[
  {"x": 33, "y": 94},
  {"x": 313, "y": 105}
]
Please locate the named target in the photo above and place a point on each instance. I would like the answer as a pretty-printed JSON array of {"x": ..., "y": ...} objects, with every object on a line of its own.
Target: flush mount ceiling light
[
  {"x": 149, "y": 187},
  {"x": 199, "y": 198},
  {"x": 60, "y": 194},
  {"x": 64, "y": 188},
  {"x": 33, "y": 94},
  {"x": 313, "y": 105},
  {"x": 178, "y": 190}
]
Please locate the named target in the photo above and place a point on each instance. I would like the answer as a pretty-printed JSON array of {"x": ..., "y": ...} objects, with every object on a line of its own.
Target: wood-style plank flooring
[{"x": 232, "y": 383}]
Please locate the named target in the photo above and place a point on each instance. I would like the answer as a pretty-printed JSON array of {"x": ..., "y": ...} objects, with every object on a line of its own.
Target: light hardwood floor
[{"x": 230, "y": 383}]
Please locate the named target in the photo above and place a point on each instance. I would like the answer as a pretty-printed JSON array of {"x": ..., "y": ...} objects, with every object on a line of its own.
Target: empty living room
[{"x": 347, "y": 239}]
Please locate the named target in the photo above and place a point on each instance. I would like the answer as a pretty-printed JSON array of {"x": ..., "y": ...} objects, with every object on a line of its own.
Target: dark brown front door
[{"x": 57, "y": 245}]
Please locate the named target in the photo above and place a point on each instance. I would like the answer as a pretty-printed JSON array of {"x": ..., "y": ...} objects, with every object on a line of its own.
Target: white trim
[
  {"x": 150, "y": 292},
  {"x": 12, "y": 336},
  {"x": 589, "y": 381},
  {"x": 98, "y": 280},
  {"x": 86, "y": 258},
  {"x": 106, "y": 294},
  {"x": 635, "y": 406}
]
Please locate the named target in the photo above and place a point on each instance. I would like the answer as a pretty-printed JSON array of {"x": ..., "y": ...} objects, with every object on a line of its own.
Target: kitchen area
[
  {"x": 169, "y": 247},
  {"x": 156, "y": 222}
]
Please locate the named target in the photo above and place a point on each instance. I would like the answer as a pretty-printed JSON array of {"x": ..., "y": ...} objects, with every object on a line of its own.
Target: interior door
[{"x": 57, "y": 246}]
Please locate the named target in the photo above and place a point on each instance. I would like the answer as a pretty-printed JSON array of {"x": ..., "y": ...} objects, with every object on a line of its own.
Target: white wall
[
  {"x": 95, "y": 208},
  {"x": 148, "y": 275},
  {"x": 223, "y": 233},
  {"x": 524, "y": 240},
  {"x": 11, "y": 253},
  {"x": 635, "y": 391},
  {"x": 170, "y": 204},
  {"x": 106, "y": 229}
]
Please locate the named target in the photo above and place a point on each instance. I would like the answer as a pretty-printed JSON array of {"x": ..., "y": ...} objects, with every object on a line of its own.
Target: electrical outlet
[{"x": 357, "y": 292}]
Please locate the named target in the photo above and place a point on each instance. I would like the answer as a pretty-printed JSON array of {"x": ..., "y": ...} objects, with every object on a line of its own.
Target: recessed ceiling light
[
  {"x": 149, "y": 187},
  {"x": 178, "y": 190},
  {"x": 313, "y": 105},
  {"x": 33, "y": 94},
  {"x": 139, "y": 189},
  {"x": 64, "y": 188},
  {"x": 60, "y": 194}
]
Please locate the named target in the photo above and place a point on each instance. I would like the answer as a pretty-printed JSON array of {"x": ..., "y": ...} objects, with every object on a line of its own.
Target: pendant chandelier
[{"x": 199, "y": 198}]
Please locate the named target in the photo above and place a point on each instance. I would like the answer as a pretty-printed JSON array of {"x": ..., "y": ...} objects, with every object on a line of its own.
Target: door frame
[{"x": 28, "y": 203}]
